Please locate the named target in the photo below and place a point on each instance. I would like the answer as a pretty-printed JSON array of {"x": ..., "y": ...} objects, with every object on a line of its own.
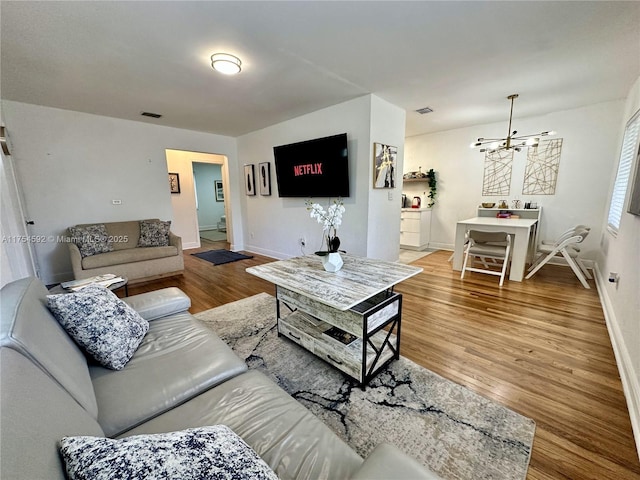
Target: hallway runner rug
[
  {"x": 219, "y": 257},
  {"x": 452, "y": 430}
]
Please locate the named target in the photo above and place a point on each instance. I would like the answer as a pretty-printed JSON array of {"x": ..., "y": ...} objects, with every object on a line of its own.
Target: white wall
[
  {"x": 590, "y": 139},
  {"x": 621, "y": 254},
  {"x": 383, "y": 232},
  {"x": 71, "y": 165},
  {"x": 273, "y": 225}
]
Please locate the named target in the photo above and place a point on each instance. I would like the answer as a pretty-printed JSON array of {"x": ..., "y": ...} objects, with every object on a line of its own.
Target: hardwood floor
[{"x": 540, "y": 347}]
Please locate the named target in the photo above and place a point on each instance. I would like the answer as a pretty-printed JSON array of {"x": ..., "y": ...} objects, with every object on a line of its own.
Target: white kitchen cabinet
[{"x": 415, "y": 228}]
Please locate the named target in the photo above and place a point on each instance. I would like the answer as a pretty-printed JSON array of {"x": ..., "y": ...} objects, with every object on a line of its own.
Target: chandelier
[{"x": 511, "y": 142}]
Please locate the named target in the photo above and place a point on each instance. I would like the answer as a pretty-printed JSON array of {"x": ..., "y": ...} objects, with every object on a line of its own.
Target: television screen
[{"x": 314, "y": 168}]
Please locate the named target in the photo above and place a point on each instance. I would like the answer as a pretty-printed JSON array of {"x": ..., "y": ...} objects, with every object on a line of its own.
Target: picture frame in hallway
[
  {"x": 384, "y": 165},
  {"x": 249, "y": 180},
  {"x": 219, "y": 190},
  {"x": 264, "y": 172},
  {"x": 174, "y": 182}
]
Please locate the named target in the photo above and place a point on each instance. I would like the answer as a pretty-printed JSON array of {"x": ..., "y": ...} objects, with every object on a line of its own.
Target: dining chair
[
  {"x": 567, "y": 247},
  {"x": 487, "y": 245}
]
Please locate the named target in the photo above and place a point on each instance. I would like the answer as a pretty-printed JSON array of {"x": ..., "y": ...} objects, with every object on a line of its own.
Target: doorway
[
  {"x": 186, "y": 197},
  {"x": 210, "y": 202}
]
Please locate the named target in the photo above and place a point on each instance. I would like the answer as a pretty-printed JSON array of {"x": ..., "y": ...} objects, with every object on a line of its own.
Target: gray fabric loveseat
[
  {"x": 139, "y": 250},
  {"x": 182, "y": 376}
]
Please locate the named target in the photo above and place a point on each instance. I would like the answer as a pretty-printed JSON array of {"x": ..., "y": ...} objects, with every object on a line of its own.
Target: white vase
[{"x": 332, "y": 262}]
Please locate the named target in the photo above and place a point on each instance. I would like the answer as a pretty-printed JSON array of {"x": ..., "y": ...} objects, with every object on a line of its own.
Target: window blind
[{"x": 627, "y": 155}]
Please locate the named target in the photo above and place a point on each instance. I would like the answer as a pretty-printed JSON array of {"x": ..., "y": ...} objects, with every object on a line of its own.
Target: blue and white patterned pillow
[
  {"x": 213, "y": 452},
  {"x": 91, "y": 239},
  {"x": 103, "y": 325},
  {"x": 154, "y": 233}
]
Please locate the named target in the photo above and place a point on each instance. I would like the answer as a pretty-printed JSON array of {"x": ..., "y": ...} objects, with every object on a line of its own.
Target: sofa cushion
[
  {"x": 196, "y": 453},
  {"x": 293, "y": 441},
  {"x": 154, "y": 233},
  {"x": 28, "y": 327},
  {"x": 159, "y": 303},
  {"x": 91, "y": 239},
  {"x": 124, "y": 234},
  {"x": 36, "y": 412},
  {"x": 103, "y": 325},
  {"x": 131, "y": 255},
  {"x": 178, "y": 359}
]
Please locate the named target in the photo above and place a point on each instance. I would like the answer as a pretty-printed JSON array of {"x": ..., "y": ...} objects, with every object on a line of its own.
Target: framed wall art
[
  {"x": 264, "y": 172},
  {"x": 384, "y": 165},
  {"x": 249, "y": 180},
  {"x": 174, "y": 182},
  {"x": 219, "y": 190}
]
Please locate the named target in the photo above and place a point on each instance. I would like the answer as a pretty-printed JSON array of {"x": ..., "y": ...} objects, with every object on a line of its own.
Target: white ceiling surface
[{"x": 460, "y": 58}]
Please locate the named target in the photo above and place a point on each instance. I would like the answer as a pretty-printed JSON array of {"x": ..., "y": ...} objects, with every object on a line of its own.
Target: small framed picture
[
  {"x": 249, "y": 180},
  {"x": 384, "y": 165},
  {"x": 174, "y": 182},
  {"x": 219, "y": 190},
  {"x": 264, "y": 172}
]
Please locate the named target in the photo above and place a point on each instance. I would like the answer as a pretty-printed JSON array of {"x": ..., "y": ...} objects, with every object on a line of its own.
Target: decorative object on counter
[
  {"x": 541, "y": 171},
  {"x": 516, "y": 204},
  {"x": 330, "y": 219},
  {"x": 497, "y": 173},
  {"x": 503, "y": 204},
  {"x": 384, "y": 165},
  {"x": 510, "y": 142},
  {"x": 488, "y": 205}
]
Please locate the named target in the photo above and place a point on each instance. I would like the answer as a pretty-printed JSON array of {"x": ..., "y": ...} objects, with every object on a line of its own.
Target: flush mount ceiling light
[
  {"x": 510, "y": 141},
  {"x": 226, "y": 63}
]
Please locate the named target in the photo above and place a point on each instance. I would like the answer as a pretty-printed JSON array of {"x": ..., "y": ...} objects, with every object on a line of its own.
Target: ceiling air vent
[
  {"x": 424, "y": 110},
  {"x": 149, "y": 114}
]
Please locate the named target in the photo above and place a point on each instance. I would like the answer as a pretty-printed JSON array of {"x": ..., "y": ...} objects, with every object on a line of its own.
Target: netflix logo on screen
[
  {"x": 308, "y": 169},
  {"x": 313, "y": 168}
]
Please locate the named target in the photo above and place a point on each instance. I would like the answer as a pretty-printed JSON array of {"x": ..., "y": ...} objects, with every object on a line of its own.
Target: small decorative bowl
[{"x": 488, "y": 205}]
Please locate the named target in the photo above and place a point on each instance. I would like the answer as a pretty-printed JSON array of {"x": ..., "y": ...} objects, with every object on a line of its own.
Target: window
[{"x": 627, "y": 155}]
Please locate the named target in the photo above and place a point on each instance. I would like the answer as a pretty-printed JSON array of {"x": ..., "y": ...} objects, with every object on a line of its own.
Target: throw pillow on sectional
[
  {"x": 107, "y": 328},
  {"x": 196, "y": 453},
  {"x": 154, "y": 233},
  {"x": 91, "y": 239}
]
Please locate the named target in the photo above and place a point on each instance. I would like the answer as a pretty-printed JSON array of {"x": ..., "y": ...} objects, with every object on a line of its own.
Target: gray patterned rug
[{"x": 452, "y": 430}]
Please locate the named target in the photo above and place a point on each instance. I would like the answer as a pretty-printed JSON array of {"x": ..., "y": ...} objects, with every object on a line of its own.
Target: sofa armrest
[
  {"x": 387, "y": 461},
  {"x": 175, "y": 241},
  {"x": 159, "y": 303},
  {"x": 76, "y": 259}
]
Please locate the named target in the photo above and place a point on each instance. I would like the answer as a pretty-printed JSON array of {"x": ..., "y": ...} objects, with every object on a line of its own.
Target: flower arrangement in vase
[{"x": 330, "y": 219}]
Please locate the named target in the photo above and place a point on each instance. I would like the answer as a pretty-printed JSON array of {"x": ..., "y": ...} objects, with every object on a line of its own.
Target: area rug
[
  {"x": 218, "y": 257},
  {"x": 213, "y": 235},
  {"x": 452, "y": 430}
]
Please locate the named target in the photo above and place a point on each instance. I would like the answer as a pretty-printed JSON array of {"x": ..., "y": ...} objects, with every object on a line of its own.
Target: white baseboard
[{"x": 630, "y": 382}]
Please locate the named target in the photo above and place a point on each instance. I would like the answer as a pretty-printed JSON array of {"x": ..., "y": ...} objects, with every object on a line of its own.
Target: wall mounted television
[{"x": 313, "y": 168}]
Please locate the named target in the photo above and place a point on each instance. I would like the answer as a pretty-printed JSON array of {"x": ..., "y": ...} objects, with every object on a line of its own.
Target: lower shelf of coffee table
[{"x": 309, "y": 332}]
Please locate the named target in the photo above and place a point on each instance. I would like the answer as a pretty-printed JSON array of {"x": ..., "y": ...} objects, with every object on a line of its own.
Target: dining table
[{"x": 519, "y": 228}]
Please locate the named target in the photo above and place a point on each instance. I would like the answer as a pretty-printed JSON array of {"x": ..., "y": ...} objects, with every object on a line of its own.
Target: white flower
[{"x": 330, "y": 218}]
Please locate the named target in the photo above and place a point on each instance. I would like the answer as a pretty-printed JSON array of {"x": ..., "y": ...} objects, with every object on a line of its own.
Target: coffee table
[{"x": 351, "y": 318}]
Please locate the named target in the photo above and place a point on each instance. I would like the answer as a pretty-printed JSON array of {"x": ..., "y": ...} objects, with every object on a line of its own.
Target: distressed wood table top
[{"x": 360, "y": 278}]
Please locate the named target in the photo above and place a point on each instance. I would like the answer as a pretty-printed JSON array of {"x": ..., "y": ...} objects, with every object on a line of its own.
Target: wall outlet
[
  {"x": 302, "y": 241},
  {"x": 116, "y": 202}
]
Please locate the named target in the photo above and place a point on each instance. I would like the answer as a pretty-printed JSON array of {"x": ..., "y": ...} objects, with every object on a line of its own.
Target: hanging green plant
[{"x": 433, "y": 182}]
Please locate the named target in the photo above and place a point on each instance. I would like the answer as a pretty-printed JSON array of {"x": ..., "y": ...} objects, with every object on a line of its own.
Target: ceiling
[{"x": 461, "y": 59}]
